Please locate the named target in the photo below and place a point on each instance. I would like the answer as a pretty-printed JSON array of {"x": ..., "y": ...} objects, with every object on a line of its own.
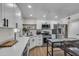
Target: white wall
[
  {"x": 73, "y": 28},
  {"x": 29, "y": 21},
  {"x": 13, "y": 16},
  {"x": 6, "y": 34}
]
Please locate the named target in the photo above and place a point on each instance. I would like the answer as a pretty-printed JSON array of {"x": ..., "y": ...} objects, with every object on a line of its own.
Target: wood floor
[{"x": 42, "y": 51}]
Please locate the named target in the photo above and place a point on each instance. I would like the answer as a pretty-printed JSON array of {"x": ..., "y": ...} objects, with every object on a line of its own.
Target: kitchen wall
[
  {"x": 29, "y": 21},
  {"x": 13, "y": 14},
  {"x": 73, "y": 23},
  {"x": 39, "y": 22},
  {"x": 74, "y": 29}
]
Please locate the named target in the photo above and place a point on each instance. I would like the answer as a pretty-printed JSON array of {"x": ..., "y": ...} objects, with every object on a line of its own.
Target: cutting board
[{"x": 8, "y": 43}]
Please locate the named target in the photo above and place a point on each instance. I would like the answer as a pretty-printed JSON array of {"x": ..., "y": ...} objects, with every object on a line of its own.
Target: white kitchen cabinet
[
  {"x": 18, "y": 19},
  {"x": 39, "y": 40},
  {"x": 39, "y": 25},
  {"x": 52, "y": 26},
  {"x": 0, "y": 15},
  {"x": 7, "y": 12},
  {"x": 36, "y": 41},
  {"x": 12, "y": 14},
  {"x": 32, "y": 42}
]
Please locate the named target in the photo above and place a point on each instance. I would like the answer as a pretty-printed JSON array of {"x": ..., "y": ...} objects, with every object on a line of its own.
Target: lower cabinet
[
  {"x": 33, "y": 41},
  {"x": 36, "y": 41},
  {"x": 39, "y": 40},
  {"x": 26, "y": 49}
]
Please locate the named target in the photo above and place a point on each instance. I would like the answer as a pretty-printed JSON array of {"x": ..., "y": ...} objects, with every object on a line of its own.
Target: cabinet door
[
  {"x": 39, "y": 26},
  {"x": 39, "y": 40},
  {"x": 0, "y": 15},
  {"x": 35, "y": 41},
  {"x": 52, "y": 26},
  {"x": 8, "y": 13},
  {"x": 32, "y": 42}
]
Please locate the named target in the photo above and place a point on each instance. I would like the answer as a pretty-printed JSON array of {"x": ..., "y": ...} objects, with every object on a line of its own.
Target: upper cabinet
[
  {"x": 17, "y": 17},
  {"x": 11, "y": 13},
  {"x": 0, "y": 14},
  {"x": 39, "y": 26}
]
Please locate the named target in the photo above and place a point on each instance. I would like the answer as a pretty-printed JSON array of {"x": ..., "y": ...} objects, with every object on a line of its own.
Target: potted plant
[{"x": 24, "y": 30}]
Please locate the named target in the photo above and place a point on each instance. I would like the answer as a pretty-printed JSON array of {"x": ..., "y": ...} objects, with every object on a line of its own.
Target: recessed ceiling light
[
  {"x": 30, "y": 14},
  {"x": 56, "y": 16},
  {"x": 11, "y": 5},
  {"x": 44, "y": 16},
  {"x": 18, "y": 14},
  {"x": 29, "y": 6}
]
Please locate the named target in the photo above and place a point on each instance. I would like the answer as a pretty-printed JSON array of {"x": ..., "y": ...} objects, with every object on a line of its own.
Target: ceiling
[{"x": 52, "y": 11}]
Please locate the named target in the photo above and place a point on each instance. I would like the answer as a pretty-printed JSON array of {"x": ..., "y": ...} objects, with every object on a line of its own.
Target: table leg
[
  {"x": 52, "y": 49},
  {"x": 65, "y": 54},
  {"x": 47, "y": 47}
]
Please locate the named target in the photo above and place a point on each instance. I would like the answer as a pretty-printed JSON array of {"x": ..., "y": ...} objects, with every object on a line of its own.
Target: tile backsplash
[{"x": 6, "y": 34}]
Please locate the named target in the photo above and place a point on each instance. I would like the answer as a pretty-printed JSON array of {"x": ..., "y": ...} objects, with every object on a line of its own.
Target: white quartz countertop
[
  {"x": 64, "y": 39},
  {"x": 15, "y": 50}
]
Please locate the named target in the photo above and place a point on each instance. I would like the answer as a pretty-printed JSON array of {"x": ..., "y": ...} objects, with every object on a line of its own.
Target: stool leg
[
  {"x": 47, "y": 47},
  {"x": 52, "y": 49},
  {"x": 65, "y": 54}
]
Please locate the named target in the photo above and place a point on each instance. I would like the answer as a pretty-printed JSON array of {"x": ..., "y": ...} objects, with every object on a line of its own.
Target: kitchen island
[
  {"x": 62, "y": 41},
  {"x": 15, "y": 50}
]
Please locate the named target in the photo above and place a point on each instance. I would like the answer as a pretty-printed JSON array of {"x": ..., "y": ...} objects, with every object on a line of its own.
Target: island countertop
[
  {"x": 15, "y": 50},
  {"x": 63, "y": 39}
]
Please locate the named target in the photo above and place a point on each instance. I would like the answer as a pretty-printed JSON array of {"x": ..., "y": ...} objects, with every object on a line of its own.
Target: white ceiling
[{"x": 51, "y": 10}]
